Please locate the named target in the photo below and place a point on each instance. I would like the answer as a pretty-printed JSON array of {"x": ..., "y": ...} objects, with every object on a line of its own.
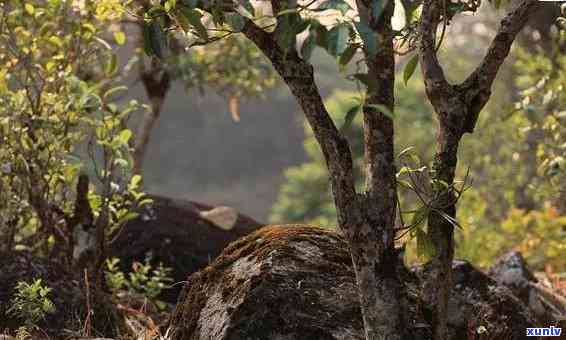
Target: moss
[{"x": 257, "y": 246}]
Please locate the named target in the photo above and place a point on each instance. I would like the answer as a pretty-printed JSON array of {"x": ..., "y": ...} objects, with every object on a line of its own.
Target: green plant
[
  {"x": 60, "y": 113},
  {"x": 31, "y": 303},
  {"x": 145, "y": 278}
]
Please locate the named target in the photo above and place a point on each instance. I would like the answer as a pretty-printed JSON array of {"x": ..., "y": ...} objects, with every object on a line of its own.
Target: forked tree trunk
[
  {"x": 367, "y": 220},
  {"x": 457, "y": 108}
]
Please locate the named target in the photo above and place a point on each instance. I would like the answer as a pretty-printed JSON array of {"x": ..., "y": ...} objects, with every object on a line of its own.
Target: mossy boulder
[
  {"x": 183, "y": 235},
  {"x": 297, "y": 282}
]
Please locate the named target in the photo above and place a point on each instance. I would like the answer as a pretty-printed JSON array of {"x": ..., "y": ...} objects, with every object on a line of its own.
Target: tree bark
[
  {"x": 380, "y": 197},
  {"x": 457, "y": 108},
  {"x": 156, "y": 82}
]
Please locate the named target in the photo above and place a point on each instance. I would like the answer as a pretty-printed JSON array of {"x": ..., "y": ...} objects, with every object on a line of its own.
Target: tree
[
  {"x": 367, "y": 219},
  {"x": 305, "y": 195},
  {"x": 68, "y": 163},
  {"x": 58, "y": 90},
  {"x": 457, "y": 109}
]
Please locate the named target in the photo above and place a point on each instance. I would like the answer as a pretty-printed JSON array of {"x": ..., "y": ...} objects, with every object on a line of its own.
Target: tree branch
[
  {"x": 157, "y": 82},
  {"x": 477, "y": 86},
  {"x": 433, "y": 74},
  {"x": 298, "y": 75}
]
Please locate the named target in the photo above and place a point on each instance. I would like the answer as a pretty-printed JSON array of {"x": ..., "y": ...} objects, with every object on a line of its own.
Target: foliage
[
  {"x": 518, "y": 193},
  {"x": 330, "y": 25},
  {"x": 225, "y": 67},
  {"x": 31, "y": 303},
  {"x": 226, "y": 63},
  {"x": 60, "y": 115},
  {"x": 538, "y": 234},
  {"x": 305, "y": 196},
  {"x": 542, "y": 102},
  {"x": 497, "y": 157},
  {"x": 145, "y": 278}
]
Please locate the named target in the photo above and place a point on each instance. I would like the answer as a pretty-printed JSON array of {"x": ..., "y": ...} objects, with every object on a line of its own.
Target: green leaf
[
  {"x": 425, "y": 245},
  {"x": 337, "y": 39},
  {"x": 156, "y": 12},
  {"x": 339, "y": 5},
  {"x": 410, "y": 68},
  {"x": 383, "y": 109},
  {"x": 88, "y": 26},
  {"x": 55, "y": 40},
  {"x": 124, "y": 136},
  {"x": 155, "y": 40},
  {"x": 420, "y": 216},
  {"x": 169, "y": 5},
  {"x": 190, "y": 3},
  {"x": 114, "y": 90},
  {"x": 135, "y": 182},
  {"x": 286, "y": 39},
  {"x": 127, "y": 217},
  {"x": 289, "y": 24},
  {"x": 236, "y": 21},
  {"x": 193, "y": 16},
  {"x": 29, "y": 8},
  {"x": 248, "y": 7},
  {"x": 348, "y": 54},
  {"x": 377, "y": 7},
  {"x": 308, "y": 47},
  {"x": 183, "y": 22},
  {"x": 112, "y": 65},
  {"x": 406, "y": 151},
  {"x": 218, "y": 13},
  {"x": 350, "y": 116},
  {"x": 48, "y": 27},
  {"x": 368, "y": 36},
  {"x": 120, "y": 37}
]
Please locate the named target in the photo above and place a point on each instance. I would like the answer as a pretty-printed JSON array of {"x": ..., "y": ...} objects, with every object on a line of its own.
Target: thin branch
[
  {"x": 478, "y": 84},
  {"x": 299, "y": 77},
  {"x": 433, "y": 73}
]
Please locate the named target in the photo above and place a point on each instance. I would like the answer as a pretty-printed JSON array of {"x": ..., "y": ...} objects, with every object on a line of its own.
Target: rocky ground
[{"x": 279, "y": 282}]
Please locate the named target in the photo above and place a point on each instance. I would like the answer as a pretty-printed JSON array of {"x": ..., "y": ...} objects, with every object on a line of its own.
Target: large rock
[
  {"x": 297, "y": 282},
  {"x": 67, "y": 294},
  {"x": 512, "y": 271},
  {"x": 184, "y": 235},
  {"x": 479, "y": 305}
]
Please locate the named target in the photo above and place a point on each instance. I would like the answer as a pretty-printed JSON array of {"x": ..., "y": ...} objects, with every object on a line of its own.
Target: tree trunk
[
  {"x": 367, "y": 221},
  {"x": 374, "y": 253},
  {"x": 457, "y": 108},
  {"x": 156, "y": 82},
  {"x": 144, "y": 133},
  {"x": 437, "y": 285}
]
